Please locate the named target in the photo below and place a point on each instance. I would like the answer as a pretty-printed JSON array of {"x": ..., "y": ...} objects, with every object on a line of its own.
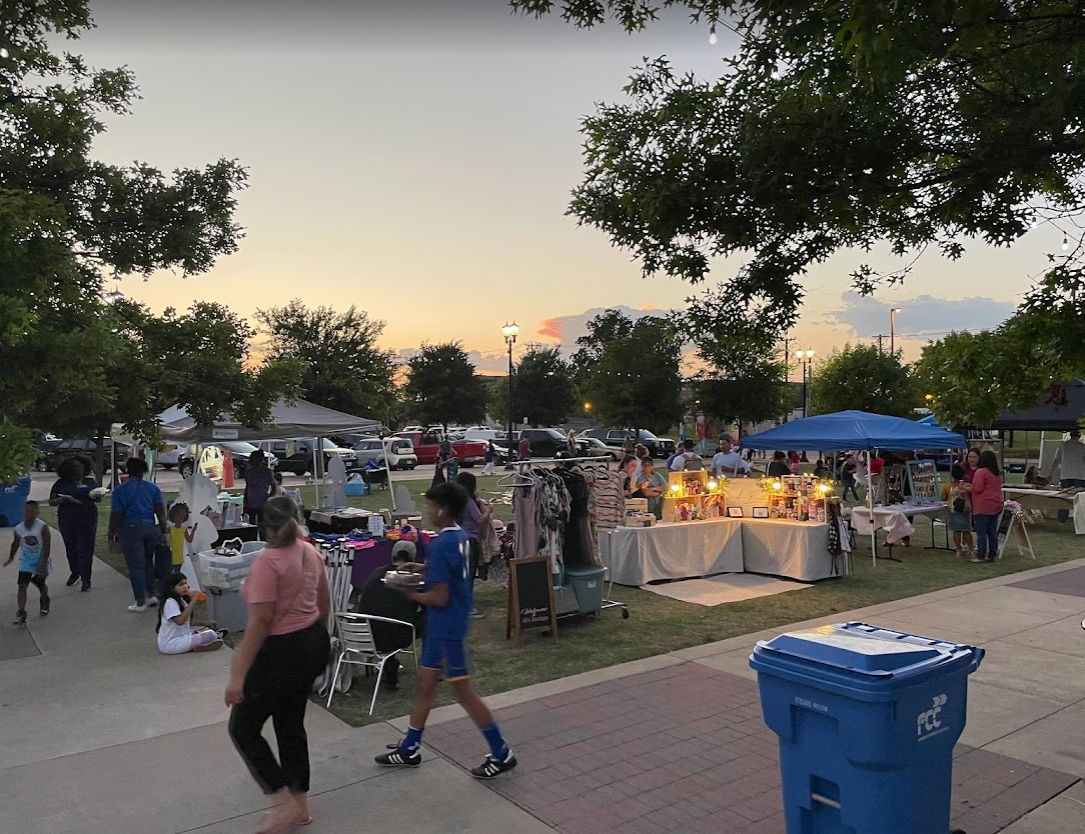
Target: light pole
[
  {"x": 893, "y": 330},
  {"x": 805, "y": 357},
  {"x": 510, "y": 331}
]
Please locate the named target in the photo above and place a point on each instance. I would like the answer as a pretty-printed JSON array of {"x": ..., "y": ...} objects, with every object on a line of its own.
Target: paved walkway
[{"x": 100, "y": 733}]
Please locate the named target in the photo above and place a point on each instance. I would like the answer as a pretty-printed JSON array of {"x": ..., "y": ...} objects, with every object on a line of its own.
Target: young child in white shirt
[{"x": 177, "y": 632}]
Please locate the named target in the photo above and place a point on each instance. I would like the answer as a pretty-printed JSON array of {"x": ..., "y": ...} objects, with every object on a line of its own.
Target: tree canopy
[
  {"x": 443, "y": 387},
  {"x": 68, "y": 220},
  {"x": 861, "y": 377},
  {"x": 629, "y": 371},
  {"x": 343, "y": 367},
  {"x": 836, "y": 126}
]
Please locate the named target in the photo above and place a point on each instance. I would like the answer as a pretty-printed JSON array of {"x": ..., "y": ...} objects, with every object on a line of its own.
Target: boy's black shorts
[{"x": 26, "y": 578}]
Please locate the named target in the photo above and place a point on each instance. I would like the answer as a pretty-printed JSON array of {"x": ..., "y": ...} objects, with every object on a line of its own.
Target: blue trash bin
[
  {"x": 867, "y": 719},
  {"x": 12, "y": 498}
]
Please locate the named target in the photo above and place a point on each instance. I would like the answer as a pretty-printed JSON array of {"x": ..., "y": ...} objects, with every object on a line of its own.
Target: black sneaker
[
  {"x": 72, "y": 579},
  {"x": 85, "y": 586},
  {"x": 492, "y": 767},
  {"x": 20, "y": 618},
  {"x": 397, "y": 758}
]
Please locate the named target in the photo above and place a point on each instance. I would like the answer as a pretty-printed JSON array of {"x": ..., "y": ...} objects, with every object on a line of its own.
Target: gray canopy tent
[{"x": 299, "y": 420}]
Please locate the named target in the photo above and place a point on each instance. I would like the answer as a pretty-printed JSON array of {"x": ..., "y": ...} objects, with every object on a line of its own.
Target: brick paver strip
[
  {"x": 684, "y": 749},
  {"x": 1068, "y": 582}
]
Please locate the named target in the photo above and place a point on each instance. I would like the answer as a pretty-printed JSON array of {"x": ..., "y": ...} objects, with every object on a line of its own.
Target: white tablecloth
[
  {"x": 636, "y": 555},
  {"x": 895, "y": 519},
  {"x": 1051, "y": 500},
  {"x": 795, "y": 549}
]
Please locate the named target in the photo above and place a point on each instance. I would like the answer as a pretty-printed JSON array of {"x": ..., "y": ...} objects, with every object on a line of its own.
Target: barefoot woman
[{"x": 284, "y": 649}]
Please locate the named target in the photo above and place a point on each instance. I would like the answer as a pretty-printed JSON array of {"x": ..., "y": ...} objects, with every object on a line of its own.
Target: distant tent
[
  {"x": 1060, "y": 409},
  {"x": 302, "y": 420}
]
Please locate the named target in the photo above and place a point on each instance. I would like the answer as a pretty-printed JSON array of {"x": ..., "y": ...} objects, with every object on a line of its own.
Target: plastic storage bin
[
  {"x": 12, "y": 498},
  {"x": 227, "y": 609},
  {"x": 867, "y": 719},
  {"x": 226, "y": 573},
  {"x": 587, "y": 584}
]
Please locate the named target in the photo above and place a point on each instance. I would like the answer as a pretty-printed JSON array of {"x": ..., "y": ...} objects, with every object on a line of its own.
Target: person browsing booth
[{"x": 728, "y": 462}]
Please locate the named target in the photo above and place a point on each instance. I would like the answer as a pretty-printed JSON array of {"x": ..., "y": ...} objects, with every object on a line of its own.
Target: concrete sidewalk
[{"x": 103, "y": 734}]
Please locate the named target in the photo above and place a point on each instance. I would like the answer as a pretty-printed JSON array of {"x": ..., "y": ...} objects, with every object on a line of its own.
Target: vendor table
[
  {"x": 636, "y": 555},
  {"x": 896, "y": 520},
  {"x": 1046, "y": 500},
  {"x": 337, "y": 521},
  {"x": 379, "y": 554},
  {"x": 797, "y": 550},
  {"x": 245, "y": 532}
]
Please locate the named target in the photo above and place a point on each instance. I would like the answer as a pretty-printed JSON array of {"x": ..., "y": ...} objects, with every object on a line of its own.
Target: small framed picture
[
  {"x": 760, "y": 512},
  {"x": 734, "y": 512}
]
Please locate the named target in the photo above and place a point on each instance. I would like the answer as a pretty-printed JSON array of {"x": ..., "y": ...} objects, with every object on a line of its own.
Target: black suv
[
  {"x": 545, "y": 443},
  {"x": 301, "y": 461},
  {"x": 74, "y": 448},
  {"x": 658, "y": 447}
]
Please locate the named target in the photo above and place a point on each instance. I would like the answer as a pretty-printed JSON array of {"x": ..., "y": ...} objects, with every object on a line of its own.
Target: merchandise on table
[
  {"x": 797, "y": 498},
  {"x": 694, "y": 496}
]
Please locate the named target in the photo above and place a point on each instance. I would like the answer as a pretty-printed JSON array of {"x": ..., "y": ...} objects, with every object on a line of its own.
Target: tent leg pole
[{"x": 870, "y": 506}]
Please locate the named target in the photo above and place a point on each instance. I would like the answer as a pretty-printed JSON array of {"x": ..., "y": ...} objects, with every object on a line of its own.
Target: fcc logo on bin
[{"x": 929, "y": 723}]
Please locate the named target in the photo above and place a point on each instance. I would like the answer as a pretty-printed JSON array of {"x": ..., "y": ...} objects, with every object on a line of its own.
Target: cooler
[
  {"x": 587, "y": 584},
  {"x": 12, "y": 498}
]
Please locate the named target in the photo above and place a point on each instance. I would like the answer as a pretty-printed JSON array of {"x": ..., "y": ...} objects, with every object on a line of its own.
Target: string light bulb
[
  {"x": 4, "y": 53},
  {"x": 712, "y": 35},
  {"x": 1065, "y": 243}
]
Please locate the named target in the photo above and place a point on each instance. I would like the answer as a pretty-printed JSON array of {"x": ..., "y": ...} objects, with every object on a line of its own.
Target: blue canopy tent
[
  {"x": 927, "y": 421},
  {"x": 856, "y": 431},
  {"x": 853, "y": 430}
]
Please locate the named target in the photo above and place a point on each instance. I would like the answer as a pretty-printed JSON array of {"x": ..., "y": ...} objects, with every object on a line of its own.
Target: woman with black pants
[{"x": 284, "y": 649}]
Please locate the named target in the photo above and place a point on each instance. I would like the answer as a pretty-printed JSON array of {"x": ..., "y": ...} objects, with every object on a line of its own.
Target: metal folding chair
[{"x": 356, "y": 647}]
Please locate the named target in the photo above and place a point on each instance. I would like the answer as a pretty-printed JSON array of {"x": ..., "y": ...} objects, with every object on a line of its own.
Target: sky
[{"x": 415, "y": 159}]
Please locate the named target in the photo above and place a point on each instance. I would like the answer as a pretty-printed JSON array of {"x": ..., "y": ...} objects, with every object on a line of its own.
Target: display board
[
  {"x": 925, "y": 482},
  {"x": 531, "y": 599},
  {"x": 1011, "y": 527}
]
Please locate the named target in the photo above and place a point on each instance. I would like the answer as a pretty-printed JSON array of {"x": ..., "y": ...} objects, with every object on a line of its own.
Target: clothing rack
[{"x": 608, "y": 601}]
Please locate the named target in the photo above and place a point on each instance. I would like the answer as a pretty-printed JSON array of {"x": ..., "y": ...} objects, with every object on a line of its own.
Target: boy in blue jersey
[{"x": 448, "y": 599}]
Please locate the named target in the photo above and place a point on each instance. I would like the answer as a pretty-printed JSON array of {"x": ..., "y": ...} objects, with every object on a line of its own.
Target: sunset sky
[{"x": 415, "y": 159}]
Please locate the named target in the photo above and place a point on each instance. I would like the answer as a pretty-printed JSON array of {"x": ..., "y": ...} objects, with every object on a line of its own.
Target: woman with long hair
[
  {"x": 177, "y": 632},
  {"x": 986, "y": 491},
  {"x": 476, "y": 517},
  {"x": 284, "y": 649}
]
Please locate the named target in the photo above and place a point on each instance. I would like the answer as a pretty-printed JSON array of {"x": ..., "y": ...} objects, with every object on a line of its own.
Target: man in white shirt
[
  {"x": 1070, "y": 460},
  {"x": 728, "y": 462},
  {"x": 687, "y": 460}
]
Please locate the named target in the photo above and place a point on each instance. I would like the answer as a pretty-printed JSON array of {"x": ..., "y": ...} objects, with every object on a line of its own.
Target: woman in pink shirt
[
  {"x": 285, "y": 648},
  {"x": 971, "y": 464},
  {"x": 986, "y": 492}
]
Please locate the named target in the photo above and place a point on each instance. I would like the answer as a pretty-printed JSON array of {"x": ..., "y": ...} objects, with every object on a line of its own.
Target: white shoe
[
  {"x": 152, "y": 602},
  {"x": 136, "y": 608}
]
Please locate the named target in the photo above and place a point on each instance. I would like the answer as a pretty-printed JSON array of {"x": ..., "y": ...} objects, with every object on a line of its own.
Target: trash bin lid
[{"x": 866, "y": 655}]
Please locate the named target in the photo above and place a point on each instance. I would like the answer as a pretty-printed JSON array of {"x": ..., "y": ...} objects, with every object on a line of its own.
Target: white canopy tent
[{"x": 300, "y": 420}]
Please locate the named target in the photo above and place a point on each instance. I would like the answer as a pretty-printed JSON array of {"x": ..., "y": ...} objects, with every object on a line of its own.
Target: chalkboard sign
[
  {"x": 925, "y": 482},
  {"x": 1009, "y": 525},
  {"x": 531, "y": 598}
]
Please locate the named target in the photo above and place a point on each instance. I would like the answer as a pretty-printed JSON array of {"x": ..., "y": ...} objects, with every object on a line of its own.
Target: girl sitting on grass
[{"x": 176, "y": 632}]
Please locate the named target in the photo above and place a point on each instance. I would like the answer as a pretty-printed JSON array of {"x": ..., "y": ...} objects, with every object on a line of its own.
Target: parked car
[
  {"x": 71, "y": 448},
  {"x": 297, "y": 456},
  {"x": 239, "y": 452},
  {"x": 47, "y": 446},
  {"x": 658, "y": 447},
  {"x": 399, "y": 451},
  {"x": 545, "y": 443},
  {"x": 426, "y": 445},
  {"x": 170, "y": 455},
  {"x": 593, "y": 447}
]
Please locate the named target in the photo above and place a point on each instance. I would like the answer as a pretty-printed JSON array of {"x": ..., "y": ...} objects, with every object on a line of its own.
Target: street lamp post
[
  {"x": 893, "y": 330},
  {"x": 510, "y": 331},
  {"x": 805, "y": 357}
]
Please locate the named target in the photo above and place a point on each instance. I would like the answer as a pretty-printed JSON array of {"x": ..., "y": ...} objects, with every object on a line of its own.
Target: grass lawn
[{"x": 658, "y": 624}]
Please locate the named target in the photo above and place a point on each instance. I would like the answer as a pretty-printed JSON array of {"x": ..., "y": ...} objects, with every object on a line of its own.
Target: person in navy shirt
[
  {"x": 448, "y": 598},
  {"x": 137, "y": 523}
]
